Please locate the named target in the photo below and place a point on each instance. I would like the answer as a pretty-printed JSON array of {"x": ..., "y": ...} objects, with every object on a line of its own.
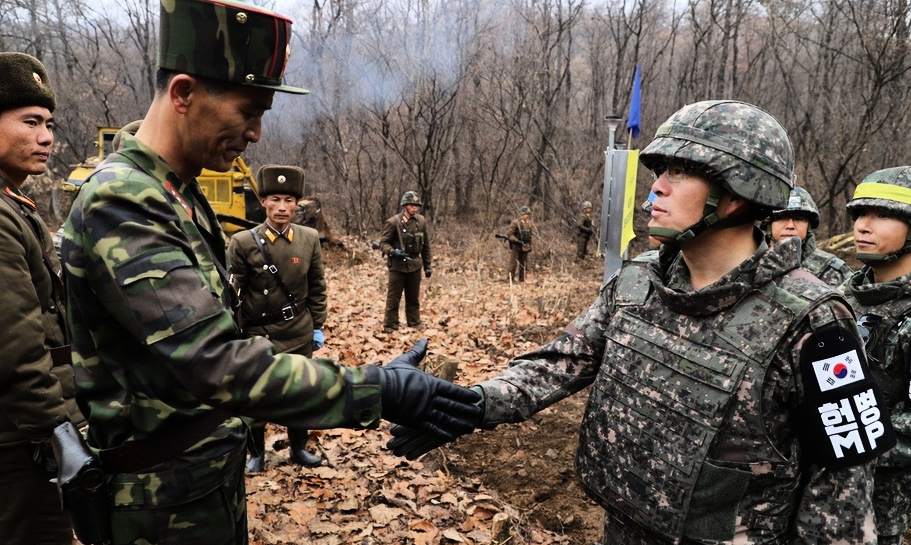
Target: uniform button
[
  {"x": 265, "y": 292},
  {"x": 265, "y": 267}
]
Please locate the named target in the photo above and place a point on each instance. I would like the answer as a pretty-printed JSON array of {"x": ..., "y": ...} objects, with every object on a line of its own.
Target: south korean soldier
[{"x": 881, "y": 295}]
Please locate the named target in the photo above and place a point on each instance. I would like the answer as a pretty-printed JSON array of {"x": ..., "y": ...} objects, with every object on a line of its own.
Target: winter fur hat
[{"x": 24, "y": 82}]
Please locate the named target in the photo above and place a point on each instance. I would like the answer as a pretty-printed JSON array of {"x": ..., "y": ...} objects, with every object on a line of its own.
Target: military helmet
[
  {"x": 225, "y": 41},
  {"x": 524, "y": 210},
  {"x": 735, "y": 145},
  {"x": 586, "y": 205},
  {"x": 890, "y": 190},
  {"x": 410, "y": 197},
  {"x": 800, "y": 203},
  {"x": 281, "y": 180},
  {"x": 739, "y": 145}
]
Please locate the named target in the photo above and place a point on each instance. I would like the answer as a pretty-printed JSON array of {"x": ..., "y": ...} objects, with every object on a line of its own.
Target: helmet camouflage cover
[
  {"x": 800, "y": 203},
  {"x": 888, "y": 189},
  {"x": 586, "y": 205},
  {"x": 741, "y": 146},
  {"x": 410, "y": 197},
  {"x": 225, "y": 41},
  {"x": 524, "y": 210}
]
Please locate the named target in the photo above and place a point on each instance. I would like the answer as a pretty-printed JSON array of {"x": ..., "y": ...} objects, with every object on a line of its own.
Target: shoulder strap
[
  {"x": 267, "y": 258},
  {"x": 633, "y": 284}
]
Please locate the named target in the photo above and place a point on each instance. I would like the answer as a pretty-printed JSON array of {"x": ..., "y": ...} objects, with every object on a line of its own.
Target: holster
[{"x": 82, "y": 486}]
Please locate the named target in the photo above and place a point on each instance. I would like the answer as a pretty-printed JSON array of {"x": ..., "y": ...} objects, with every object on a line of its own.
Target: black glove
[
  {"x": 413, "y": 443},
  {"x": 427, "y": 273},
  {"x": 422, "y": 401},
  {"x": 398, "y": 253}
]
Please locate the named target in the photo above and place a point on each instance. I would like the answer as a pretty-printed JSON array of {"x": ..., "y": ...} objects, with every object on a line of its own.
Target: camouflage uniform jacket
[
  {"x": 296, "y": 254},
  {"x": 37, "y": 392},
  {"x": 584, "y": 226},
  {"x": 829, "y": 268},
  {"x": 519, "y": 234},
  {"x": 155, "y": 345},
  {"x": 410, "y": 235},
  {"x": 753, "y": 484},
  {"x": 884, "y": 309}
]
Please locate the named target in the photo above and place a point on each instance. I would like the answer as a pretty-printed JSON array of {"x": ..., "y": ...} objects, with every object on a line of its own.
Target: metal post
[{"x": 612, "y": 259}]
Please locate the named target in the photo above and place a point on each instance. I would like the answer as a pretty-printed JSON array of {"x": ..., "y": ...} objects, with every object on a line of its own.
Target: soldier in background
[
  {"x": 881, "y": 295},
  {"x": 164, "y": 374},
  {"x": 584, "y": 230},
  {"x": 277, "y": 272},
  {"x": 406, "y": 244},
  {"x": 36, "y": 376},
  {"x": 717, "y": 413},
  {"x": 519, "y": 235},
  {"x": 798, "y": 219}
]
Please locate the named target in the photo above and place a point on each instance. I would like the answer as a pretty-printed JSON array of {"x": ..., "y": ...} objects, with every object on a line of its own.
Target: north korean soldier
[
  {"x": 36, "y": 378},
  {"x": 798, "y": 219},
  {"x": 519, "y": 235},
  {"x": 584, "y": 230},
  {"x": 881, "y": 295},
  {"x": 406, "y": 244},
  {"x": 162, "y": 370},
  {"x": 277, "y": 272},
  {"x": 731, "y": 401}
]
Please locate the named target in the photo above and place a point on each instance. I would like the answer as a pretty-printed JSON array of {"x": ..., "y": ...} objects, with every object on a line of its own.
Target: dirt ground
[{"x": 515, "y": 484}]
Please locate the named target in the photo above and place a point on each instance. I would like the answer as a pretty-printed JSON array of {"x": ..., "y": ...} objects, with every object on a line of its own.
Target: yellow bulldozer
[{"x": 232, "y": 194}]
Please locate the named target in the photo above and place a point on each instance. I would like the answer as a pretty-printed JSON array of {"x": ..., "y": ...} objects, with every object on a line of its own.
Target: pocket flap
[{"x": 154, "y": 263}]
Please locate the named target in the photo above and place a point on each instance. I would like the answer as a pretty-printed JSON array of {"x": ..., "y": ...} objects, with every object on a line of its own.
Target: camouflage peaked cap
[
  {"x": 800, "y": 203},
  {"x": 226, "y": 41},
  {"x": 410, "y": 197},
  {"x": 889, "y": 189},
  {"x": 281, "y": 179},
  {"x": 24, "y": 82},
  {"x": 739, "y": 145}
]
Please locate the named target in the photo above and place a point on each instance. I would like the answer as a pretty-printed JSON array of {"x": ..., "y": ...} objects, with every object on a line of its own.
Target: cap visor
[{"x": 281, "y": 88}]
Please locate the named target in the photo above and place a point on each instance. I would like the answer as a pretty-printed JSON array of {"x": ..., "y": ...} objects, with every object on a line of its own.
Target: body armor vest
[
  {"x": 668, "y": 384},
  {"x": 819, "y": 264},
  {"x": 882, "y": 326}
]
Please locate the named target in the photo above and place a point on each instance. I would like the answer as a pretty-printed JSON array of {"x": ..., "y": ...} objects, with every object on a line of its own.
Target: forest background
[{"x": 487, "y": 105}]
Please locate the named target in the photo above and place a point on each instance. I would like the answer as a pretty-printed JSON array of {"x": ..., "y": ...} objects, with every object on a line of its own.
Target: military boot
[
  {"x": 299, "y": 453},
  {"x": 256, "y": 461}
]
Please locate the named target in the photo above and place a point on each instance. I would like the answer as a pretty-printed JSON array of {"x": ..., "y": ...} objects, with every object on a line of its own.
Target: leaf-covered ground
[{"x": 512, "y": 485}]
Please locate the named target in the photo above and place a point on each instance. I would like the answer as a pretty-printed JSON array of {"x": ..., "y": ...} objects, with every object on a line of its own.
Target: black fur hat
[{"x": 24, "y": 82}]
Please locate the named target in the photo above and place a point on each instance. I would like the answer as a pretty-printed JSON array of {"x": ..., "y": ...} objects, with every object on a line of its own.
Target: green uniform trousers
[
  {"x": 581, "y": 247},
  {"x": 31, "y": 513},
  {"x": 217, "y": 516},
  {"x": 410, "y": 283}
]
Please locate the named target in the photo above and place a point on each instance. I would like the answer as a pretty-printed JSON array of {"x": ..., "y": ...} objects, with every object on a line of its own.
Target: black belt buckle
[{"x": 287, "y": 312}]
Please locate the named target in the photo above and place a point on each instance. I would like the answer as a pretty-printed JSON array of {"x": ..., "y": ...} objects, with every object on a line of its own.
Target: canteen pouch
[{"x": 82, "y": 486}]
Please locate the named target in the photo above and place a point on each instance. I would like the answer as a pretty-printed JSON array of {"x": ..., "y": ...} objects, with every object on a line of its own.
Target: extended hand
[
  {"x": 413, "y": 443},
  {"x": 422, "y": 401},
  {"x": 427, "y": 273}
]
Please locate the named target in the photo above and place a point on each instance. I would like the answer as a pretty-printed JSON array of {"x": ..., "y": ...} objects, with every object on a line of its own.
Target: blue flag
[{"x": 635, "y": 102}]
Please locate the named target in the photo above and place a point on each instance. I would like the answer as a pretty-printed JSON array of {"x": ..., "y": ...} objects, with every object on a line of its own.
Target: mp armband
[{"x": 845, "y": 421}]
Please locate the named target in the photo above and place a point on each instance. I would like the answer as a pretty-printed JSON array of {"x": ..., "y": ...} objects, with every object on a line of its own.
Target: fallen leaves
[{"x": 362, "y": 494}]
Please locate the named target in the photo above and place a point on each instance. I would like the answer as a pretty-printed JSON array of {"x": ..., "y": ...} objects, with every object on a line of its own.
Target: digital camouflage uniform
[
  {"x": 829, "y": 268},
  {"x": 411, "y": 236},
  {"x": 713, "y": 413},
  {"x": 721, "y": 457},
  {"x": 884, "y": 310},
  {"x": 584, "y": 230},
  {"x": 36, "y": 378},
  {"x": 519, "y": 234}
]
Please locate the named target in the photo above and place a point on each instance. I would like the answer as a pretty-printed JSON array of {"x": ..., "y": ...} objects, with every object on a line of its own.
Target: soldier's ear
[{"x": 181, "y": 90}]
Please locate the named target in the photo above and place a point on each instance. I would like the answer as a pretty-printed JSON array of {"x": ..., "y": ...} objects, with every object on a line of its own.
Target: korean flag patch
[{"x": 838, "y": 371}]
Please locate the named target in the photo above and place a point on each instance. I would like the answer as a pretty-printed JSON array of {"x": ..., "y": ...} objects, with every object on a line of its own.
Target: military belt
[{"x": 284, "y": 314}]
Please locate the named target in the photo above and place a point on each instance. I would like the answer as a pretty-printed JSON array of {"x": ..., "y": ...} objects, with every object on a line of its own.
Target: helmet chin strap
[
  {"x": 709, "y": 219},
  {"x": 882, "y": 259}
]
